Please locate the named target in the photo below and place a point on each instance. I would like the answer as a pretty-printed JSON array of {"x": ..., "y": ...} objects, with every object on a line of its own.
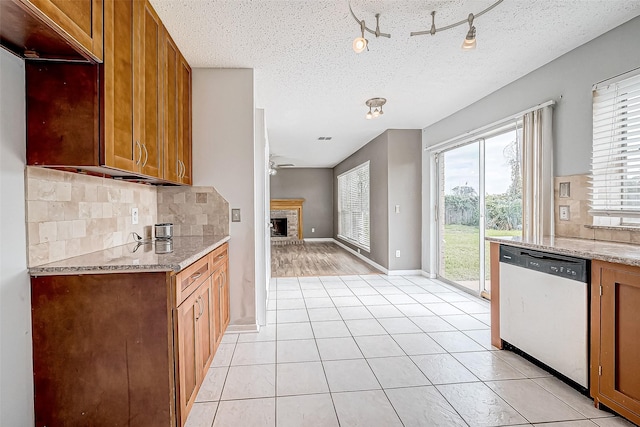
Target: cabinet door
[
  {"x": 172, "y": 165},
  {"x": 224, "y": 297},
  {"x": 216, "y": 317},
  {"x": 184, "y": 119},
  {"x": 148, "y": 89},
  {"x": 120, "y": 150},
  {"x": 619, "y": 339},
  {"x": 80, "y": 20},
  {"x": 187, "y": 358},
  {"x": 206, "y": 337}
]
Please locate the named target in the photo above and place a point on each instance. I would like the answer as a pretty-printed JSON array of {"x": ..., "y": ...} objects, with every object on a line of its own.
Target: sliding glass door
[
  {"x": 459, "y": 223},
  {"x": 479, "y": 194}
]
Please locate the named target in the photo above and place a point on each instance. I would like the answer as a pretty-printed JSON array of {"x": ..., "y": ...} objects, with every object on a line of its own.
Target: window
[
  {"x": 615, "y": 162},
  {"x": 353, "y": 206}
]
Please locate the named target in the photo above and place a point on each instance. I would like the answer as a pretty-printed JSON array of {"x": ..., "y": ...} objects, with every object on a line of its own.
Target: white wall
[
  {"x": 223, "y": 157},
  {"x": 567, "y": 80},
  {"x": 16, "y": 373}
]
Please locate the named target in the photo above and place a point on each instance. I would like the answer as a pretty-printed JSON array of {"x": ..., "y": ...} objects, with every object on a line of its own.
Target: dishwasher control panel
[{"x": 545, "y": 262}]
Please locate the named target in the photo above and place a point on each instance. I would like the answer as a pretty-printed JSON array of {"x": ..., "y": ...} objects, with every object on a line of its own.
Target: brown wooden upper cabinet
[
  {"x": 177, "y": 115},
  {"x": 133, "y": 88},
  {"x": 79, "y": 19},
  {"x": 53, "y": 29},
  {"x": 135, "y": 107}
]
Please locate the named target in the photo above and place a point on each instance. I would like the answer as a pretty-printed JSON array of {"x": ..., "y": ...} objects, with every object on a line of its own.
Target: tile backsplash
[
  {"x": 70, "y": 214},
  {"x": 580, "y": 221},
  {"x": 194, "y": 211}
]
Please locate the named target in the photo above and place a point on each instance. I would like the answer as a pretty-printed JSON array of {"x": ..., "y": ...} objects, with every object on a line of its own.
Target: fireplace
[
  {"x": 286, "y": 220},
  {"x": 279, "y": 227}
]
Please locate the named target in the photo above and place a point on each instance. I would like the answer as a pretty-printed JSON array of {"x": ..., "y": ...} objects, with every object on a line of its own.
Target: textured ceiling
[{"x": 312, "y": 84}]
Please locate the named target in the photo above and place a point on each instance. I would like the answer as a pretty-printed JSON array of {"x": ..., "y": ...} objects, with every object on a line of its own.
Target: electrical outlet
[
  {"x": 398, "y": 253},
  {"x": 358, "y": 250},
  {"x": 564, "y": 213},
  {"x": 134, "y": 216},
  {"x": 313, "y": 230},
  {"x": 235, "y": 215}
]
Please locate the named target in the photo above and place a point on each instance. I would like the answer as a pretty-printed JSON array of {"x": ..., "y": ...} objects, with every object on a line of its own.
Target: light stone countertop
[
  {"x": 134, "y": 257},
  {"x": 621, "y": 253}
]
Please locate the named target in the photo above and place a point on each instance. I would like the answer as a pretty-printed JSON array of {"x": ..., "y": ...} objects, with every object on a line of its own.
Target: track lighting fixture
[
  {"x": 360, "y": 43},
  {"x": 470, "y": 39},
  {"x": 375, "y": 107}
]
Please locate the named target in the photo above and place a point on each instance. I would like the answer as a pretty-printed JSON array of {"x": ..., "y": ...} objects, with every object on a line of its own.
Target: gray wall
[
  {"x": 395, "y": 172},
  {"x": 571, "y": 77},
  {"x": 567, "y": 80},
  {"x": 405, "y": 189},
  {"x": 315, "y": 186},
  {"x": 376, "y": 152},
  {"x": 16, "y": 377}
]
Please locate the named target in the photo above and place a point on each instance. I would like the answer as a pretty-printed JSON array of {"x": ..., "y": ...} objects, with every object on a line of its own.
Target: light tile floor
[{"x": 380, "y": 351}]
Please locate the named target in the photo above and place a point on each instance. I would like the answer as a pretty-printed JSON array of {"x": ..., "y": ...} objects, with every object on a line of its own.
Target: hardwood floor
[{"x": 315, "y": 259}]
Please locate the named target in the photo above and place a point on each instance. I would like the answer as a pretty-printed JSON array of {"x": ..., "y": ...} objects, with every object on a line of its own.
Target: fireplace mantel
[{"x": 290, "y": 204}]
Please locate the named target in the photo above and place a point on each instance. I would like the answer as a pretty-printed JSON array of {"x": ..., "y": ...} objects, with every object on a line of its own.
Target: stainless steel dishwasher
[{"x": 544, "y": 309}]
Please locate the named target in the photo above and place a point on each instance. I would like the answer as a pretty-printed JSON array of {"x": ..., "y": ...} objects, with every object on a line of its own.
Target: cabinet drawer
[
  {"x": 191, "y": 277},
  {"x": 219, "y": 255}
]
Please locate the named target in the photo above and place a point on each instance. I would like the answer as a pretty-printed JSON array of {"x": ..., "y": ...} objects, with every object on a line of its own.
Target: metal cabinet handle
[
  {"x": 184, "y": 169},
  {"x": 200, "y": 311},
  {"x": 146, "y": 155},
  {"x": 179, "y": 172},
  {"x": 195, "y": 276},
  {"x": 140, "y": 153}
]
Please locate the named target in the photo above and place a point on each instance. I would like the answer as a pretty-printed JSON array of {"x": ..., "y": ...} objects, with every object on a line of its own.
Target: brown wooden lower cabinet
[
  {"x": 615, "y": 338},
  {"x": 121, "y": 348}
]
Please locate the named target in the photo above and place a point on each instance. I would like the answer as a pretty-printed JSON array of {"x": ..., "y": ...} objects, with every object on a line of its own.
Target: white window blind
[
  {"x": 353, "y": 206},
  {"x": 615, "y": 162}
]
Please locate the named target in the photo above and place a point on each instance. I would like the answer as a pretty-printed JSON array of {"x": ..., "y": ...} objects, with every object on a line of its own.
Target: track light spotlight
[
  {"x": 470, "y": 40},
  {"x": 360, "y": 43}
]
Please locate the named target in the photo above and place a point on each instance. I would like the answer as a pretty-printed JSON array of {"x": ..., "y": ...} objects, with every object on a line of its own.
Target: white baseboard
[
  {"x": 362, "y": 257},
  {"x": 241, "y": 329},
  {"x": 428, "y": 275},
  {"x": 318, "y": 239},
  {"x": 404, "y": 273}
]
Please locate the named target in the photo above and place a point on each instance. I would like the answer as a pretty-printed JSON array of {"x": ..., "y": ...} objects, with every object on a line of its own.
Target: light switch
[
  {"x": 564, "y": 213},
  {"x": 235, "y": 215},
  {"x": 397, "y": 208}
]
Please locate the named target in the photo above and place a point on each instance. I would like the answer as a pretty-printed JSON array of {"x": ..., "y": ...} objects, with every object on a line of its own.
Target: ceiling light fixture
[
  {"x": 272, "y": 168},
  {"x": 360, "y": 43},
  {"x": 375, "y": 107},
  {"x": 470, "y": 39}
]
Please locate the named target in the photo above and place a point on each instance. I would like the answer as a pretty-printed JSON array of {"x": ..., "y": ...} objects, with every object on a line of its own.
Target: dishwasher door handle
[{"x": 546, "y": 257}]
